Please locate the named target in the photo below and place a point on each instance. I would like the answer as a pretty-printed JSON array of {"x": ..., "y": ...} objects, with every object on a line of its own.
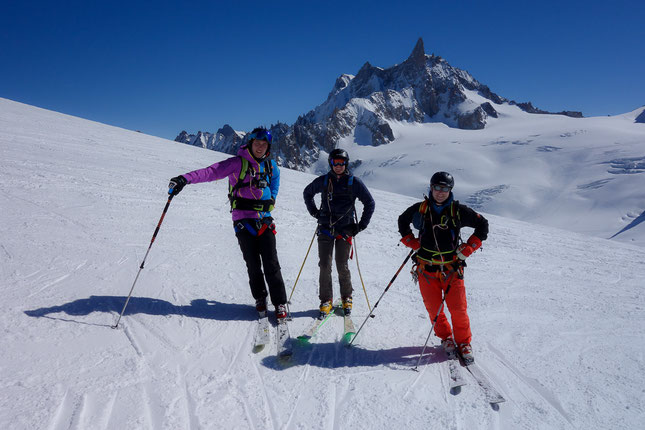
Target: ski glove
[
  {"x": 411, "y": 242},
  {"x": 176, "y": 185},
  {"x": 466, "y": 249},
  {"x": 353, "y": 229}
]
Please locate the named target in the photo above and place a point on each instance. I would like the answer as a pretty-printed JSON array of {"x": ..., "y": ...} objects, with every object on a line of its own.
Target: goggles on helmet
[
  {"x": 338, "y": 162},
  {"x": 441, "y": 188},
  {"x": 261, "y": 135}
]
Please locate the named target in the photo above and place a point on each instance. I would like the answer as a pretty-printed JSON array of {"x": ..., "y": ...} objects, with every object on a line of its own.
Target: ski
[
  {"x": 283, "y": 340},
  {"x": 316, "y": 324},
  {"x": 262, "y": 334},
  {"x": 348, "y": 329},
  {"x": 454, "y": 369},
  {"x": 493, "y": 396},
  {"x": 456, "y": 376}
]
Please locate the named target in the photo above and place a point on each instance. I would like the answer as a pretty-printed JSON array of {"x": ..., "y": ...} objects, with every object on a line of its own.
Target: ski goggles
[
  {"x": 261, "y": 135},
  {"x": 338, "y": 162},
  {"x": 441, "y": 188}
]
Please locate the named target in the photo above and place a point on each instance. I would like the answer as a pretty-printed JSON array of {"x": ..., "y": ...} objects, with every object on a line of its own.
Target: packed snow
[{"x": 557, "y": 317}]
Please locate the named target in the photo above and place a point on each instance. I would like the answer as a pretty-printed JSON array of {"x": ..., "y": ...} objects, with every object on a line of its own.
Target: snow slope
[
  {"x": 545, "y": 169},
  {"x": 557, "y": 317}
]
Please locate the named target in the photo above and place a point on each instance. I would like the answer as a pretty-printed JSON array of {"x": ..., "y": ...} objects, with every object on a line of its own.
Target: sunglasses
[
  {"x": 441, "y": 188},
  {"x": 261, "y": 135},
  {"x": 338, "y": 162}
]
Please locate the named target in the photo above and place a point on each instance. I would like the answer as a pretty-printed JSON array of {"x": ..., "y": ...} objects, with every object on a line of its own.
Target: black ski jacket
[
  {"x": 439, "y": 230},
  {"x": 337, "y": 211}
]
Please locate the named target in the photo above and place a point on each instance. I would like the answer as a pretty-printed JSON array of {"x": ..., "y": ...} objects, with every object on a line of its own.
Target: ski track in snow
[{"x": 545, "y": 306}]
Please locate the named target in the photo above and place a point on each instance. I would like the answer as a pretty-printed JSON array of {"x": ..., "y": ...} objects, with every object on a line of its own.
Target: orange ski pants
[{"x": 433, "y": 286}]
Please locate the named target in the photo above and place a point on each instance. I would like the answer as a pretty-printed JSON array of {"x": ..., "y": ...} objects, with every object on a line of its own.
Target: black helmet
[
  {"x": 336, "y": 154},
  {"x": 442, "y": 178}
]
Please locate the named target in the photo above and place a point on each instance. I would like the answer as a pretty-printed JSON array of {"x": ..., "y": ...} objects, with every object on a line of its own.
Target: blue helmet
[{"x": 260, "y": 133}]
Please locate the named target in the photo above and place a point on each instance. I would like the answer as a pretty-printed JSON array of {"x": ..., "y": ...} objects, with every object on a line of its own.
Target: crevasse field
[{"x": 557, "y": 317}]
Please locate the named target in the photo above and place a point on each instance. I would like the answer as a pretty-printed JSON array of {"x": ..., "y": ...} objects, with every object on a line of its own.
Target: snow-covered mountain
[
  {"x": 403, "y": 123},
  {"x": 224, "y": 140},
  {"x": 424, "y": 88},
  {"x": 557, "y": 317}
]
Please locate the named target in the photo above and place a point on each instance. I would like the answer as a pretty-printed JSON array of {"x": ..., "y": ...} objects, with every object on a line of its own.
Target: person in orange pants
[
  {"x": 433, "y": 287},
  {"x": 440, "y": 258}
]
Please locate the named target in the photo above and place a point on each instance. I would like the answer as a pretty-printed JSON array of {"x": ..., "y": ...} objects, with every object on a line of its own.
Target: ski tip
[
  {"x": 347, "y": 338},
  {"x": 498, "y": 401}
]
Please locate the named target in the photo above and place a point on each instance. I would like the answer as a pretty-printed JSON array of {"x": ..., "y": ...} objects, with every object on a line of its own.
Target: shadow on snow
[
  {"x": 325, "y": 355},
  {"x": 198, "y": 308},
  {"x": 335, "y": 355}
]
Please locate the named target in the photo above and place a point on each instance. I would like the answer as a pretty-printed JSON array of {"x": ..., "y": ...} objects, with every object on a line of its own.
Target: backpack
[
  {"x": 242, "y": 203},
  {"x": 453, "y": 219}
]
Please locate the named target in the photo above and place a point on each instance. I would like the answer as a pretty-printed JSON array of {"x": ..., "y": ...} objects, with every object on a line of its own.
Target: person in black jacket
[
  {"x": 440, "y": 258},
  {"x": 337, "y": 224}
]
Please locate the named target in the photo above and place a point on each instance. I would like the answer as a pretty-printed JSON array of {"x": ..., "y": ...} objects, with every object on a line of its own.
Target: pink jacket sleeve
[{"x": 214, "y": 172}]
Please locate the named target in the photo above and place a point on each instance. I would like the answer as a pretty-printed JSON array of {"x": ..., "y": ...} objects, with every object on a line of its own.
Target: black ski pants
[
  {"x": 326, "y": 246},
  {"x": 260, "y": 252}
]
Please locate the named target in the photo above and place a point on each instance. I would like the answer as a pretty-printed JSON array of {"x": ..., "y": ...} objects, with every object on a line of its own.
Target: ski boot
[
  {"x": 325, "y": 308},
  {"x": 261, "y": 307},
  {"x": 466, "y": 352},
  {"x": 449, "y": 346},
  {"x": 281, "y": 313},
  {"x": 347, "y": 305}
]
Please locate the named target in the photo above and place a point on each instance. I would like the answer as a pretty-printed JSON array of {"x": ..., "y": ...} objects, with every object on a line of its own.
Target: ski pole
[
  {"x": 371, "y": 314},
  {"x": 360, "y": 275},
  {"x": 434, "y": 322},
  {"x": 301, "y": 267},
  {"x": 144, "y": 258}
]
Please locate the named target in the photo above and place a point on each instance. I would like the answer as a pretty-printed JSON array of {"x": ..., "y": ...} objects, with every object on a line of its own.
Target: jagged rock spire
[{"x": 418, "y": 53}]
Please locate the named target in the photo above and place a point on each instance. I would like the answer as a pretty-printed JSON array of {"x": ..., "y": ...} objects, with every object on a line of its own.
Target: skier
[
  {"x": 440, "y": 258},
  {"x": 337, "y": 225},
  {"x": 254, "y": 181}
]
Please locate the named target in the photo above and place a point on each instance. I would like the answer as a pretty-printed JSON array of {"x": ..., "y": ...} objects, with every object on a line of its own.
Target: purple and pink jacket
[{"x": 232, "y": 167}]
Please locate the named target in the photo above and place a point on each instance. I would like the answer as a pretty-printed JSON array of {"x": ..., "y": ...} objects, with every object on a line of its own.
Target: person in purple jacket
[{"x": 254, "y": 180}]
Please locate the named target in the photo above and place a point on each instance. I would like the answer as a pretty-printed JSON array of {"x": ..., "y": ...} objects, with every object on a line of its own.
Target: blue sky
[{"x": 165, "y": 66}]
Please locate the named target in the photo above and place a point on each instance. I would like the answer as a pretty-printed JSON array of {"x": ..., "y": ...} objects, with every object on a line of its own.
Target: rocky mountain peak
[
  {"x": 226, "y": 131},
  {"x": 418, "y": 55},
  {"x": 424, "y": 88}
]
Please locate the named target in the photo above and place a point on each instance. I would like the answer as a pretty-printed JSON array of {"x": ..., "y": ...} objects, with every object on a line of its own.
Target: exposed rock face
[
  {"x": 475, "y": 120},
  {"x": 641, "y": 118},
  {"x": 528, "y": 107},
  {"x": 489, "y": 109},
  {"x": 225, "y": 140}
]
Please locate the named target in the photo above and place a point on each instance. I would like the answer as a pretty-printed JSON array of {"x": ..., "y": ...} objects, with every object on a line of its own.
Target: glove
[
  {"x": 353, "y": 229},
  {"x": 411, "y": 242},
  {"x": 466, "y": 249},
  {"x": 361, "y": 226},
  {"x": 315, "y": 214},
  {"x": 176, "y": 184}
]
